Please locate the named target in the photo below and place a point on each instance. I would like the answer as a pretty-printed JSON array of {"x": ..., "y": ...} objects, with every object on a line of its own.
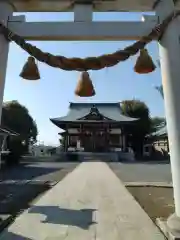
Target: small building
[
  {"x": 157, "y": 142},
  {"x": 41, "y": 150},
  {"x": 6, "y": 133},
  {"x": 94, "y": 127}
]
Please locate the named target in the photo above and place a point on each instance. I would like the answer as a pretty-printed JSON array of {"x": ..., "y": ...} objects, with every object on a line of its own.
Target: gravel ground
[
  {"x": 45, "y": 171},
  {"x": 20, "y": 185},
  {"x": 156, "y": 201}
]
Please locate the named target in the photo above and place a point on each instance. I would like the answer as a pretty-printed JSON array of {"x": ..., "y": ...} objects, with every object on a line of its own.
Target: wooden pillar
[
  {"x": 120, "y": 140},
  {"x": 4, "y": 143},
  {"x": 106, "y": 132},
  {"x": 123, "y": 137},
  {"x": 80, "y": 135},
  {"x": 66, "y": 139},
  {"x": 68, "y": 142},
  {"x": 65, "y": 143},
  {"x": 167, "y": 142},
  {"x": 108, "y": 136}
]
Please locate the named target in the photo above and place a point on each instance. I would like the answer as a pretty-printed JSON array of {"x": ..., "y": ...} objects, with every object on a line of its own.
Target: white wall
[
  {"x": 113, "y": 131},
  {"x": 39, "y": 150}
]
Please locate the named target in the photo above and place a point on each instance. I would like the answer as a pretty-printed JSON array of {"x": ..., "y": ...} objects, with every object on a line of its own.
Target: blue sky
[{"x": 50, "y": 96}]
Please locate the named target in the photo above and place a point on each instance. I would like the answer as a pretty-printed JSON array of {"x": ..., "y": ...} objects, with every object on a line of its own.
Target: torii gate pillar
[
  {"x": 6, "y": 11},
  {"x": 169, "y": 48}
]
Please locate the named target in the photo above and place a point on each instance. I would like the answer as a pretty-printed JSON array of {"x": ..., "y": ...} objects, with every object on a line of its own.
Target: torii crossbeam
[{"x": 83, "y": 28}]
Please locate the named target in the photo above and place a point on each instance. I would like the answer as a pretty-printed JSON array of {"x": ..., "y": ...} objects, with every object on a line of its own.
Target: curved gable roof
[
  {"x": 162, "y": 131},
  {"x": 111, "y": 111}
]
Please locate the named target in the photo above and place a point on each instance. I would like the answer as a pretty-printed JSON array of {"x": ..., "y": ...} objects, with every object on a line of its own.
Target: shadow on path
[
  {"x": 56, "y": 215},
  {"x": 25, "y": 171},
  {"x": 12, "y": 236}
]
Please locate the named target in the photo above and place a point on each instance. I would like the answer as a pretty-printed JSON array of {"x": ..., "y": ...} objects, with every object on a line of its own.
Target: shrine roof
[
  {"x": 7, "y": 131},
  {"x": 159, "y": 134},
  {"x": 162, "y": 131},
  {"x": 78, "y": 111}
]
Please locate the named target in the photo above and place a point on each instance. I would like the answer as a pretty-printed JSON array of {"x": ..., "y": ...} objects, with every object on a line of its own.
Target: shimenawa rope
[{"x": 89, "y": 63}]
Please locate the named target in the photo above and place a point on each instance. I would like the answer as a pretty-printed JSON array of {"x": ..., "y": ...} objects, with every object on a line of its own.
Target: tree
[
  {"x": 17, "y": 118},
  {"x": 157, "y": 123},
  {"x": 138, "y": 130}
]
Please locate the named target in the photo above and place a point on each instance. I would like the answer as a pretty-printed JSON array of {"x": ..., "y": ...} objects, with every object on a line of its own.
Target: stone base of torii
[{"x": 169, "y": 48}]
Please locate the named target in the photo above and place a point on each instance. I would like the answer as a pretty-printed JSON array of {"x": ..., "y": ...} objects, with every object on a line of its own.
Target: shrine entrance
[{"x": 95, "y": 142}]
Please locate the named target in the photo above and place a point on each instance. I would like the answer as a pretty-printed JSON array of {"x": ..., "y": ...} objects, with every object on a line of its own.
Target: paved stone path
[{"x": 90, "y": 203}]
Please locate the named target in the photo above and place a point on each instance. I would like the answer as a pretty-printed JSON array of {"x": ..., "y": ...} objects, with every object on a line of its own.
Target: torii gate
[{"x": 83, "y": 28}]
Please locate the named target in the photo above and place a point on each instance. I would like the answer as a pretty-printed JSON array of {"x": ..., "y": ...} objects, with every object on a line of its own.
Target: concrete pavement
[
  {"x": 90, "y": 203},
  {"x": 142, "y": 172}
]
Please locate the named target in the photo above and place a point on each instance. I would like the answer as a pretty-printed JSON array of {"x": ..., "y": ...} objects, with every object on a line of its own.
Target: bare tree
[{"x": 160, "y": 90}]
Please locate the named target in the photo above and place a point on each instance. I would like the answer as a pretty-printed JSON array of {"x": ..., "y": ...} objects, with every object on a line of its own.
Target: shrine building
[{"x": 94, "y": 127}]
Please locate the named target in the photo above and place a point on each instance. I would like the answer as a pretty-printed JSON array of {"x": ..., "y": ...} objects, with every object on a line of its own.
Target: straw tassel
[
  {"x": 30, "y": 70},
  {"x": 85, "y": 87},
  {"x": 144, "y": 63}
]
